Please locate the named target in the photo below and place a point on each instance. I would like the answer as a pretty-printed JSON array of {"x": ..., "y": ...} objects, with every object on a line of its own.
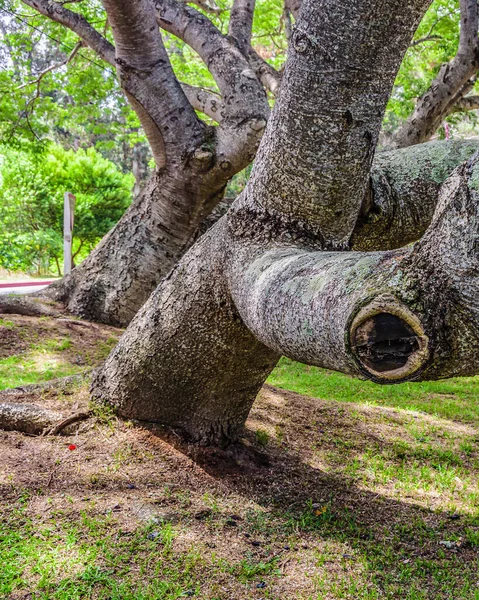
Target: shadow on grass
[
  {"x": 306, "y": 525},
  {"x": 411, "y": 546}
]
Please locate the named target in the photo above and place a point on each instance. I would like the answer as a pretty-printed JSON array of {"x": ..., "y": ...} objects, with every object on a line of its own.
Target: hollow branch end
[{"x": 388, "y": 341}]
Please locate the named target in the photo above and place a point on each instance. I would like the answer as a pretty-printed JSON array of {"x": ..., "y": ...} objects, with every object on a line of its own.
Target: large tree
[
  {"x": 279, "y": 273},
  {"x": 194, "y": 160}
]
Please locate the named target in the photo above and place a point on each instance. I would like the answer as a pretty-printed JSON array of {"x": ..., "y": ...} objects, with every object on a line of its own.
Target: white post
[{"x": 69, "y": 201}]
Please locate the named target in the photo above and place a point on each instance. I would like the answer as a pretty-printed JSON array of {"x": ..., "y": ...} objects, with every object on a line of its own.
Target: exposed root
[
  {"x": 28, "y": 307},
  {"x": 57, "y": 429},
  {"x": 36, "y": 420}
]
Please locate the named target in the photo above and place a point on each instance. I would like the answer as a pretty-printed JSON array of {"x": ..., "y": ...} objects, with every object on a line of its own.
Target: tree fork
[{"x": 260, "y": 283}]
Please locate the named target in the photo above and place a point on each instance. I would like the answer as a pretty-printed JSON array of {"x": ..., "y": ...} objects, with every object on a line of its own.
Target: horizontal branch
[
  {"x": 403, "y": 192},
  {"x": 391, "y": 316}
]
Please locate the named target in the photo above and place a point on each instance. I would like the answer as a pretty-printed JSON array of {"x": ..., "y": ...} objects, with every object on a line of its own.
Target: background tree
[
  {"x": 32, "y": 185},
  {"x": 454, "y": 79},
  {"x": 194, "y": 160}
]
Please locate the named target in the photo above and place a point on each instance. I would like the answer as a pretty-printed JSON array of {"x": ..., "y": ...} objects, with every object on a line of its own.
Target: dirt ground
[{"x": 275, "y": 496}]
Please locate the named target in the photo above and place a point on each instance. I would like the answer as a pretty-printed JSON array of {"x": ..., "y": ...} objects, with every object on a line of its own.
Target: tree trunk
[
  {"x": 260, "y": 283},
  {"x": 194, "y": 160},
  {"x": 117, "y": 278}
]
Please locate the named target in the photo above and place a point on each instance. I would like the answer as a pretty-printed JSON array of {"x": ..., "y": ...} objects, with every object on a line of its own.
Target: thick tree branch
[
  {"x": 267, "y": 74},
  {"x": 244, "y": 104},
  {"x": 340, "y": 127},
  {"x": 403, "y": 192},
  {"x": 465, "y": 104},
  {"x": 241, "y": 23},
  {"x": 77, "y": 24},
  {"x": 146, "y": 75}
]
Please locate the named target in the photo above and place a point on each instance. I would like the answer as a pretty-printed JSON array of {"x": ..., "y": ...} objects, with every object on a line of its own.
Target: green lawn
[
  {"x": 371, "y": 492},
  {"x": 448, "y": 398}
]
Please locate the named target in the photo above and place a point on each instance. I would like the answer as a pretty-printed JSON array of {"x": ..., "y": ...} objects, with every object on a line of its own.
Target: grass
[
  {"x": 448, "y": 399},
  {"x": 43, "y": 350},
  {"x": 42, "y": 362},
  {"x": 371, "y": 493}
]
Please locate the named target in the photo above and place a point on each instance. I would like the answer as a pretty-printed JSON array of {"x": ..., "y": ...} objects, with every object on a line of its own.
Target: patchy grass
[
  {"x": 361, "y": 492},
  {"x": 34, "y": 350},
  {"x": 449, "y": 398}
]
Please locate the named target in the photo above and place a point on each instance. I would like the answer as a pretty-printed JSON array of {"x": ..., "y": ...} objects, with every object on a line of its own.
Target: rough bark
[
  {"x": 449, "y": 86},
  {"x": 314, "y": 169},
  {"x": 241, "y": 23},
  {"x": 139, "y": 251},
  {"x": 260, "y": 283},
  {"x": 30, "y": 307},
  {"x": 27, "y": 418},
  {"x": 194, "y": 161},
  {"x": 403, "y": 192},
  {"x": 466, "y": 104}
]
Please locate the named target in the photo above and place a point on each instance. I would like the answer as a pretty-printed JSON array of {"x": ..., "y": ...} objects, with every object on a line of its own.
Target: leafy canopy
[{"x": 32, "y": 186}]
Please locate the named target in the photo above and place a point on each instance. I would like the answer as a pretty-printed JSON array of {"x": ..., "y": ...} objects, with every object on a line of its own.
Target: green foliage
[
  {"x": 435, "y": 43},
  {"x": 32, "y": 185}
]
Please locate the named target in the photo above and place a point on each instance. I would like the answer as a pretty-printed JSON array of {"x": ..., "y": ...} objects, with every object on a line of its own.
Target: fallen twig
[{"x": 56, "y": 429}]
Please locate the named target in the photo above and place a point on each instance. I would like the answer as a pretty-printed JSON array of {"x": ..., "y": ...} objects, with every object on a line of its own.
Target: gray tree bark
[
  {"x": 194, "y": 161},
  {"x": 279, "y": 273}
]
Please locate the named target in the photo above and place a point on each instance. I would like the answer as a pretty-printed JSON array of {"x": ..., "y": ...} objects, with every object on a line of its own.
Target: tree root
[
  {"x": 28, "y": 307},
  {"x": 36, "y": 420},
  {"x": 33, "y": 419},
  {"x": 64, "y": 426}
]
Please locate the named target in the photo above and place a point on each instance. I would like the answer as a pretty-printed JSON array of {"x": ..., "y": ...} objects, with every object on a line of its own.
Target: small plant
[{"x": 262, "y": 437}]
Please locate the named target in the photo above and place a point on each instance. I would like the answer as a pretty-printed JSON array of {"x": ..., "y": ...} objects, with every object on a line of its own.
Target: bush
[{"x": 32, "y": 185}]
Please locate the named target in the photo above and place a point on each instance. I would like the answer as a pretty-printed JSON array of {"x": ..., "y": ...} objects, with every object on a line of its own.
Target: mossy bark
[{"x": 274, "y": 275}]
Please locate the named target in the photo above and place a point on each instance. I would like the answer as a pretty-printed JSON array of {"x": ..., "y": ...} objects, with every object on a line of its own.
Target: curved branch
[
  {"x": 465, "y": 104},
  {"x": 51, "y": 68},
  {"x": 267, "y": 74},
  {"x": 403, "y": 193},
  {"x": 77, "y": 24},
  {"x": 146, "y": 75},
  {"x": 242, "y": 93}
]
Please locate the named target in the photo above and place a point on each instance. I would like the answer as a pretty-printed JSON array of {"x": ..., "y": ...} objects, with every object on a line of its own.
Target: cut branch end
[{"x": 388, "y": 341}]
